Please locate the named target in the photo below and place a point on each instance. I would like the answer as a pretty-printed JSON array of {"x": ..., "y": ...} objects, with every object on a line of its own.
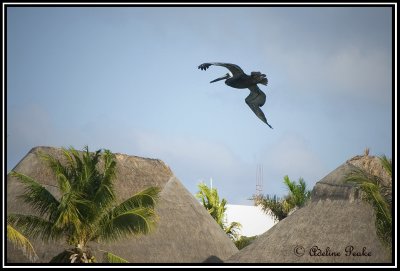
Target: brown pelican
[{"x": 236, "y": 78}]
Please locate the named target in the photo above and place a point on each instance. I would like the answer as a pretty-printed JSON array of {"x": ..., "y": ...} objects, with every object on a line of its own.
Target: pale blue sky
[{"x": 126, "y": 79}]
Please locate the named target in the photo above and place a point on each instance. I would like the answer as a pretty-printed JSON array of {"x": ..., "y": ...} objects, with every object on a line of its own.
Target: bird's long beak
[{"x": 226, "y": 76}]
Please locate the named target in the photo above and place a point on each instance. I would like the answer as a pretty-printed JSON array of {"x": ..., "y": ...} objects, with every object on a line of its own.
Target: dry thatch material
[
  {"x": 186, "y": 233},
  {"x": 336, "y": 221}
]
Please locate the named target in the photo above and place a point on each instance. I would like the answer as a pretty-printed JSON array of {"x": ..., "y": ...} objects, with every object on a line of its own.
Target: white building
[{"x": 253, "y": 219}]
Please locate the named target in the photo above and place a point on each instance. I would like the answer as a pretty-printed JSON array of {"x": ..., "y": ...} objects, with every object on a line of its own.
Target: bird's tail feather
[{"x": 264, "y": 81}]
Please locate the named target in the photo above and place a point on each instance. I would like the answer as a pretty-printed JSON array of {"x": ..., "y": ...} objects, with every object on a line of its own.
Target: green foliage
[
  {"x": 244, "y": 241},
  {"x": 387, "y": 164},
  {"x": 210, "y": 200},
  {"x": 233, "y": 230},
  {"x": 298, "y": 193},
  {"x": 280, "y": 208},
  {"x": 216, "y": 208},
  {"x": 86, "y": 209},
  {"x": 111, "y": 258},
  {"x": 274, "y": 206},
  {"x": 378, "y": 195},
  {"x": 21, "y": 242}
]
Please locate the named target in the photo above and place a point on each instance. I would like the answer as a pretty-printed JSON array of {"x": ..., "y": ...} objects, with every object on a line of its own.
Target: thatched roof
[
  {"x": 335, "y": 218},
  {"x": 186, "y": 233}
]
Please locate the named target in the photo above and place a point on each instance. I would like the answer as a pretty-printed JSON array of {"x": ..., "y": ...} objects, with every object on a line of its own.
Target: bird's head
[{"x": 226, "y": 76}]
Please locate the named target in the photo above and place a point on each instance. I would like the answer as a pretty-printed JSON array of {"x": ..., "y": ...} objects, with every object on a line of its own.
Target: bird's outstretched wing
[
  {"x": 255, "y": 100},
  {"x": 234, "y": 69}
]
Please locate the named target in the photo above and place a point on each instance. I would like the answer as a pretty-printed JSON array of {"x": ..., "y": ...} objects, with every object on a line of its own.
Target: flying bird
[{"x": 236, "y": 78}]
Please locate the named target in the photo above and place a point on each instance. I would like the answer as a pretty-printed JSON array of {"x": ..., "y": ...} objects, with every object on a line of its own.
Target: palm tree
[
  {"x": 280, "y": 208},
  {"x": 210, "y": 200},
  {"x": 276, "y": 207},
  {"x": 86, "y": 209},
  {"x": 216, "y": 208},
  {"x": 298, "y": 193},
  {"x": 379, "y": 195}
]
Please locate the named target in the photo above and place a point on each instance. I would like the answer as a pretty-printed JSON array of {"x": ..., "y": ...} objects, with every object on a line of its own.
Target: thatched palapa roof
[
  {"x": 336, "y": 221},
  {"x": 185, "y": 232}
]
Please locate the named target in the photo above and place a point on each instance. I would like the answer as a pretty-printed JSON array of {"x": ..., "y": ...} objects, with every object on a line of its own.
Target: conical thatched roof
[
  {"x": 335, "y": 218},
  {"x": 185, "y": 232}
]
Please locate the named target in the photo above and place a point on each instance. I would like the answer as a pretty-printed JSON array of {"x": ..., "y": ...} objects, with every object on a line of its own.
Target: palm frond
[
  {"x": 109, "y": 164},
  {"x": 63, "y": 183},
  {"x": 358, "y": 176},
  {"x": 383, "y": 214},
  {"x": 291, "y": 185},
  {"x": 288, "y": 204},
  {"x": 298, "y": 194},
  {"x": 302, "y": 185},
  {"x": 39, "y": 198},
  {"x": 136, "y": 221},
  {"x": 76, "y": 167},
  {"x": 387, "y": 164},
  {"x": 73, "y": 210},
  {"x": 112, "y": 258},
  {"x": 71, "y": 163},
  {"x": 203, "y": 191},
  {"x": 104, "y": 194},
  {"x": 244, "y": 241},
  {"x": 63, "y": 173},
  {"x": 375, "y": 193},
  {"x": 35, "y": 227},
  {"x": 146, "y": 198},
  {"x": 210, "y": 200},
  {"x": 21, "y": 242},
  {"x": 233, "y": 230},
  {"x": 273, "y": 206},
  {"x": 89, "y": 172}
]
